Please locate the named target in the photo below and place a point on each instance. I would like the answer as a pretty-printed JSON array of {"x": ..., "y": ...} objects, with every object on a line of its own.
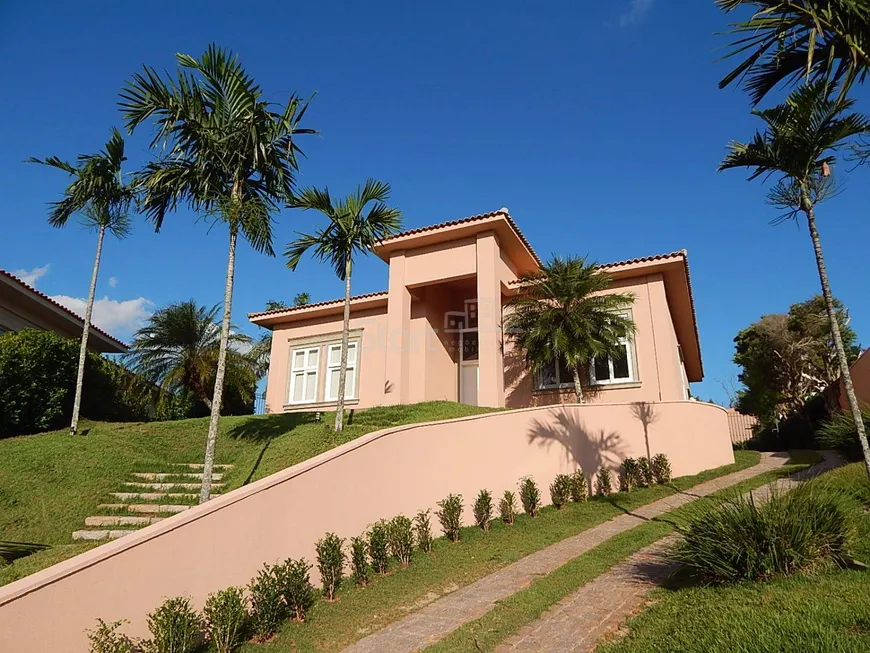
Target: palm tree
[
  {"x": 786, "y": 40},
  {"x": 229, "y": 154},
  {"x": 301, "y": 299},
  {"x": 348, "y": 233},
  {"x": 798, "y": 145},
  {"x": 99, "y": 193},
  {"x": 178, "y": 349},
  {"x": 562, "y": 313}
]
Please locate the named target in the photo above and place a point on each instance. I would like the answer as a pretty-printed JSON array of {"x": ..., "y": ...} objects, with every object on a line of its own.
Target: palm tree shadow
[
  {"x": 586, "y": 448},
  {"x": 265, "y": 429}
]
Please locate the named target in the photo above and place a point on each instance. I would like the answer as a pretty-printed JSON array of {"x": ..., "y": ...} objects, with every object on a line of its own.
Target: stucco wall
[{"x": 399, "y": 470}]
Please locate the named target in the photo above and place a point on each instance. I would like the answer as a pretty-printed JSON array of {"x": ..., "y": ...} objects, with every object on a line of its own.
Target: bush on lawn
[
  {"x": 268, "y": 609},
  {"x": 296, "y": 587},
  {"x": 507, "y": 507},
  {"x": 560, "y": 490},
  {"x": 330, "y": 563},
  {"x": 530, "y": 496},
  {"x": 226, "y": 618},
  {"x": 840, "y": 433},
  {"x": 629, "y": 477},
  {"x": 579, "y": 490},
  {"x": 400, "y": 532},
  {"x": 645, "y": 471},
  {"x": 105, "y": 638},
  {"x": 603, "y": 482},
  {"x": 359, "y": 560},
  {"x": 423, "y": 531},
  {"x": 379, "y": 547},
  {"x": 483, "y": 509},
  {"x": 661, "y": 469},
  {"x": 175, "y": 627},
  {"x": 450, "y": 516},
  {"x": 802, "y": 530}
]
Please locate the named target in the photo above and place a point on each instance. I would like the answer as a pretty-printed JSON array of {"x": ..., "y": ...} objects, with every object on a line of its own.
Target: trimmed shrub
[
  {"x": 423, "y": 530},
  {"x": 738, "y": 540},
  {"x": 330, "y": 563},
  {"x": 646, "y": 478},
  {"x": 268, "y": 609},
  {"x": 560, "y": 490},
  {"x": 359, "y": 560},
  {"x": 507, "y": 507},
  {"x": 450, "y": 516},
  {"x": 603, "y": 482},
  {"x": 839, "y": 433},
  {"x": 400, "y": 532},
  {"x": 483, "y": 509},
  {"x": 379, "y": 547},
  {"x": 105, "y": 638},
  {"x": 296, "y": 587},
  {"x": 579, "y": 489},
  {"x": 530, "y": 496},
  {"x": 661, "y": 469},
  {"x": 629, "y": 477},
  {"x": 225, "y": 619},
  {"x": 175, "y": 627}
]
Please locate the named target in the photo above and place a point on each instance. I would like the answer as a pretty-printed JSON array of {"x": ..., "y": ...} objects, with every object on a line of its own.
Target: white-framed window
[
  {"x": 304, "y": 364},
  {"x": 607, "y": 370},
  {"x": 555, "y": 375},
  {"x": 333, "y": 369}
]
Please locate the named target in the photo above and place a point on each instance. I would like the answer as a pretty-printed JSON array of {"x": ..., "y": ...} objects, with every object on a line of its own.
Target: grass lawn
[
  {"x": 485, "y": 633},
  {"x": 361, "y": 611},
  {"x": 827, "y": 611},
  {"x": 50, "y": 482}
]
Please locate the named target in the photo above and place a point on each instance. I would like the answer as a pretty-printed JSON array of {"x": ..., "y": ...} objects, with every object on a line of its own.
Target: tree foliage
[{"x": 787, "y": 358}]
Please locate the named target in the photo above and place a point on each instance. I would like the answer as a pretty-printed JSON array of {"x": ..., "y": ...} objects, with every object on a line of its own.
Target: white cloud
[
  {"x": 636, "y": 12},
  {"x": 30, "y": 277},
  {"x": 120, "y": 318},
  {"x": 113, "y": 281}
]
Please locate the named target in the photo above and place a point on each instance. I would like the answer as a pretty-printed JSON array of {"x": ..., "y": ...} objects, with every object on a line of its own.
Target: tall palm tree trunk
[
  {"x": 208, "y": 463},
  {"x": 83, "y": 350},
  {"x": 578, "y": 387},
  {"x": 854, "y": 408},
  {"x": 345, "y": 336}
]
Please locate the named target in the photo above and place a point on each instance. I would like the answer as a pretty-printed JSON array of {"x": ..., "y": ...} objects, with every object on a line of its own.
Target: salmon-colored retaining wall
[{"x": 400, "y": 470}]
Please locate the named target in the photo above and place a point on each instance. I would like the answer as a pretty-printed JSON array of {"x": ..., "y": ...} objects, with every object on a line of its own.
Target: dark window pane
[
  {"x": 602, "y": 370},
  {"x": 620, "y": 366},
  {"x": 547, "y": 376},
  {"x": 470, "y": 346}
]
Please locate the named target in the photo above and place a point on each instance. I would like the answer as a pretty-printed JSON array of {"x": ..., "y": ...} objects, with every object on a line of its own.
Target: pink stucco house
[{"x": 436, "y": 332}]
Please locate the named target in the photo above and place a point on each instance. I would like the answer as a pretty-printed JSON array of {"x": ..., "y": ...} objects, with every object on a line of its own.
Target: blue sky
[{"x": 600, "y": 127}]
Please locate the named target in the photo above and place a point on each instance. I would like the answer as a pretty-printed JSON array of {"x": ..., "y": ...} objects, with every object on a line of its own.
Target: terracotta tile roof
[
  {"x": 473, "y": 218},
  {"x": 64, "y": 308},
  {"x": 646, "y": 259},
  {"x": 291, "y": 309}
]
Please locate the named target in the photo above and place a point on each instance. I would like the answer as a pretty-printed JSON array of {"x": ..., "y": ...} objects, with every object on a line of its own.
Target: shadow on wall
[
  {"x": 588, "y": 449},
  {"x": 646, "y": 415}
]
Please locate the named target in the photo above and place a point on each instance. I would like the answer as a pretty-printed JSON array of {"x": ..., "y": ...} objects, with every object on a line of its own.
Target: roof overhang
[
  {"x": 674, "y": 269},
  {"x": 55, "y": 316},
  {"x": 510, "y": 238},
  {"x": 269, "y": 319}
]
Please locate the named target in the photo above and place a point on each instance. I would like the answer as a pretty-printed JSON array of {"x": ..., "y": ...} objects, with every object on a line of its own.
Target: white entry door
[{"x": 469, "y": 368}]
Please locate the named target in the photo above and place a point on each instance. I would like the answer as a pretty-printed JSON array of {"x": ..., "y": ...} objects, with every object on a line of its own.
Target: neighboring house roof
[{"x": 57, "y": 317}]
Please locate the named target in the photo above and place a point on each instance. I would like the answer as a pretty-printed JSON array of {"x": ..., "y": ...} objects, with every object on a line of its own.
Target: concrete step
[
  {"x": 162, "y": 476},
  {"x": 200, "y": 466},
  {"x": 120, "y": 520},
  {"x": 168, "y": 486},
  {"x": 100, "y": 535},
  {"x": 150, "y": 496},
  {"x": 145, "y": 508}
]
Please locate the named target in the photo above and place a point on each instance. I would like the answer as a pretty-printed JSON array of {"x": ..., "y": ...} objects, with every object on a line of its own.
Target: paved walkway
[
  {"x": 579, "y": 620},
  {"x": 443, "y": 616}
]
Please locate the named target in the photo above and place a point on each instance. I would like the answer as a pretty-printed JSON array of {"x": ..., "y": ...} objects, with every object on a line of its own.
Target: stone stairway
[{"x": 147, "y": 498}]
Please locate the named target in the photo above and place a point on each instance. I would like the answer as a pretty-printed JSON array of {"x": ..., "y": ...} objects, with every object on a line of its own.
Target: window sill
[
  {"x": 615, "y": 386},
  {"x": 315, "y": 405},
  {"x": 565, "y": 389}
]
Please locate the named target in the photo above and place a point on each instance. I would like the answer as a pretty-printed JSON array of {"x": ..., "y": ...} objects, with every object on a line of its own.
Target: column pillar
[
  {"x": 398, "y": 340},
  {"x": 490, "y": 391}
]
